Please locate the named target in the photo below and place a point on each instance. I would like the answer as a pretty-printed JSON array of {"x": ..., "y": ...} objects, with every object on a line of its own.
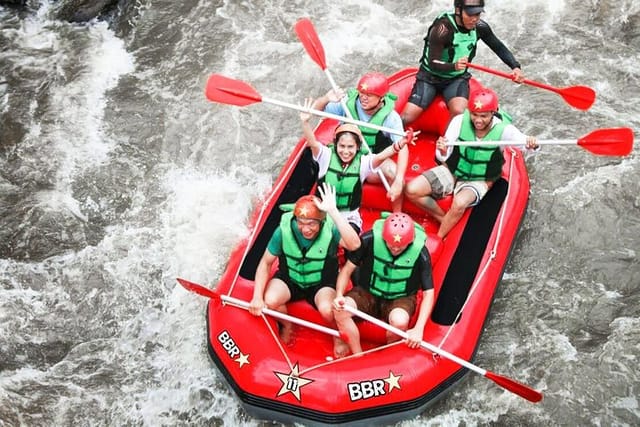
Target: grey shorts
[
  {"x": 478, "y": 187},
  {"x": 443, "y": 183}
]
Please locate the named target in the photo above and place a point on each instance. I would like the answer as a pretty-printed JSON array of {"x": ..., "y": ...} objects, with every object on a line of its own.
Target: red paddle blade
[
  {"x": 229, "y": 91},
  {"x": 580, "y": 97},
  {"x": 198, "y": 289},
  {"x": 307, "y": 34},
  {"x": 520, "y": 389},
  {"x": 608, "y": 142}
]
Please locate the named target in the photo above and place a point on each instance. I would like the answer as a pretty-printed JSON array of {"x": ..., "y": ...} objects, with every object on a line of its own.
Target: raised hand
[
  {"x": 305, "y": 116},
  {"x": 327, "y": 200},
  {"x": 335, "y": 95}
]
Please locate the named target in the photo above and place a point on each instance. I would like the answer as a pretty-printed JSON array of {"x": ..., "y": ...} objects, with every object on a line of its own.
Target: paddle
[
  {"x": 507, "y": 383},
  {"x": 309, "y": 37},
  {"x": 580, "y": 97},
  {"x": 603, "y": 142},
  {"x": 209, "y": 293},
  {"x": 235, "y": 92}
]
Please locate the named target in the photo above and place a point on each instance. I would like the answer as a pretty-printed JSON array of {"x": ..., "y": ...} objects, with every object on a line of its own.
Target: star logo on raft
[
  {"x": 292, "y": 382},
  {"x": 243, "y": 359},
  {"x": 369, "y": 389}
]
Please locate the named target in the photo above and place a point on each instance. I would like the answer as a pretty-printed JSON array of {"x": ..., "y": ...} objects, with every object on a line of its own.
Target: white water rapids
[{"x": 117, "y": 176}]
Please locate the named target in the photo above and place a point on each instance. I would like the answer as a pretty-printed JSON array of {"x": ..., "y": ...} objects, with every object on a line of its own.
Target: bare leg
[
  {"x": 461, "y": 202},
  {"x": 398, "y": 318},
  {"x": 418, "y": 190},
  {"x": 347, "y": 326},
  {"x": 410, "y": 113},
  {"x": 457, "y": 105},
  {"x": 324, "y": 301},
  {"x": 275, "y": 297}
]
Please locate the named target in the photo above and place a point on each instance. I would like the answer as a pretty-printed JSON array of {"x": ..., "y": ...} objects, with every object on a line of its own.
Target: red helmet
[
  {"x": 482, "y": 100},
  {"x": 306, "y": 208},
  {"x": 374, "y": 83},
  {"x": 398, "y": 229}
]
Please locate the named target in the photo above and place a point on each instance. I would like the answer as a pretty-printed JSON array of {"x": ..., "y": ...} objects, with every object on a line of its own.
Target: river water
[{"x": 117, "y": 176}]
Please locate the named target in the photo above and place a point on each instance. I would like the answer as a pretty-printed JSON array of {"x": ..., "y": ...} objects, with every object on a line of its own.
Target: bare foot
[
  {"x": 340, "y": 348},
  {"x": 286, "y": 334}
]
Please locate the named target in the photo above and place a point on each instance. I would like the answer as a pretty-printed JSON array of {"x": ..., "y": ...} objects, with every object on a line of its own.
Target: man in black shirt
[
  {"x": 387, "y": 271},
  {"x": 449, "y": 46}
]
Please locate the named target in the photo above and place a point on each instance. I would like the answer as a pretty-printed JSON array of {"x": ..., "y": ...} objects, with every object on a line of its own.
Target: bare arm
[
  {"x": 425, "y": 309},
  {"x": 349, "y": 238},
  {"x": 262, "y": 276},
  {"x": 342, "y": 282},
  {"x": 396, "y": 147},
  {"x": 414, "y": 335},
  {"x": 331, "y": 96},
  {"x": 309, "y": 136},
  {"x": 403, "y": 160}
]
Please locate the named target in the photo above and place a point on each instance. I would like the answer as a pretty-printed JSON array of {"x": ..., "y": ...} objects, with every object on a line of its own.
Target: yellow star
[
  {"x": 303, "y": 211},
  {"x": 393, "y": 381},
  {"x": 397, "y": 238},
  {"x": 364, "y": 87},
  {"x": 292, "y": 382},
  {"x": 242, "y": 360},
  {"x": 477, "y": 105}
]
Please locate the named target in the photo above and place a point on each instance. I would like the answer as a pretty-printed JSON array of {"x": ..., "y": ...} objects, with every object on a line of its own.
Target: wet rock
[
  {"x": 13, "y": 2},
  {"x": 82, "y": 10}
]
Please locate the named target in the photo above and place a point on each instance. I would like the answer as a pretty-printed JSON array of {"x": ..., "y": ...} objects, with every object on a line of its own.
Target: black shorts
[
  {"x": 425, "y": 90},
  {"x": 298, "y": 293}
]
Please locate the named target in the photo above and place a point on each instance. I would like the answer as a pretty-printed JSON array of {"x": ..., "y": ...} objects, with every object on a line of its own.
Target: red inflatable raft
[{"x": 302, "y": 382}]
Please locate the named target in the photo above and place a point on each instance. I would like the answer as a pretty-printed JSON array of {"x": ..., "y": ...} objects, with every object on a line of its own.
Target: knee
[
  {"x": 457, "y": 109},
  {"x": 399, "y": 319},
  {"x": 410, "y": 113},
  {"x": 457, "y": 207},
  {"x": 414, "y": 190},
  {"x": 326, "y": 311},
  {"x": 270, "y": 301}
]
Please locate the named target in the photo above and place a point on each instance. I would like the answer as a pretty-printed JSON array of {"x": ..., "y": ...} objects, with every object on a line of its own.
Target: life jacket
[
  {"x": 376, "y": 140},
  {"x": 464, "y": 44},
  {"x": 305, "y": 267},
  {"x": 389, "y": 275},
  {"x": 477, "y": 163},
  {"x": 346, "y": 181}
]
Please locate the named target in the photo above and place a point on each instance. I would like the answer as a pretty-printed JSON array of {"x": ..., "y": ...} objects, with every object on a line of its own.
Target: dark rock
[
  {"x": 82, "y": 10},
  {"x": 13, "y": 2}
]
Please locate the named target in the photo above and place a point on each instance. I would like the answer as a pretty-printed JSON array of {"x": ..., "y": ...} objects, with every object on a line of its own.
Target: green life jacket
[
  {"x": 371, "y": 135},
  {"x": 464, "y": 43},
  {"x": 305, "y": 267},
  {"x": 346, "y": 182},
  {"x": 477, "y": 163},
  {"x": 389, "y": 276}
]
